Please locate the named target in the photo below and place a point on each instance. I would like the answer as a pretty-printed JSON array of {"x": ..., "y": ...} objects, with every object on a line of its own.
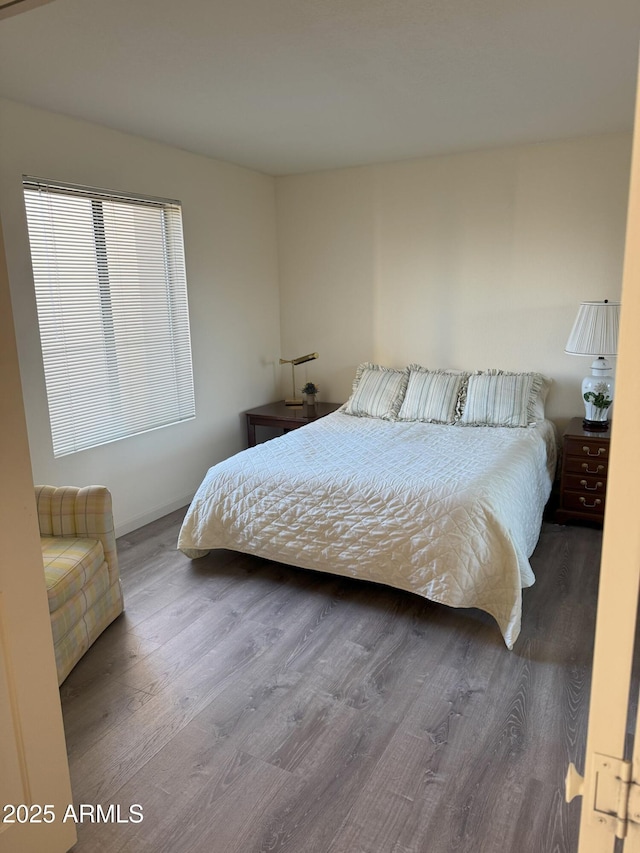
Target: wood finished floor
[{"x": 251, "y": 707}]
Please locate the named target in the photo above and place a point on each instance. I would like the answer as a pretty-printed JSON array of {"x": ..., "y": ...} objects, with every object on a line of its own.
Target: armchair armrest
[{"x": 81, "y": 513}]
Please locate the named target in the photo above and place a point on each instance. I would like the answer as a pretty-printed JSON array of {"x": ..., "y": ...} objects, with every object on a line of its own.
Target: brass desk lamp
[{"x": 295, "y": 400}]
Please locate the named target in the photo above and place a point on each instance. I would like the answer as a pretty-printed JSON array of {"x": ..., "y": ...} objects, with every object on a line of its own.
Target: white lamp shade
[{"x": 595, "y": 331}]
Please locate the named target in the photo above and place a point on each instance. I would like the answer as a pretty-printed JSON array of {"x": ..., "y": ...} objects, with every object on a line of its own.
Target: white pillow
[
  {"x": 432, "y": 395},
  {"x": 377, "y": 392},
  {"x": 498, "y": 398}
]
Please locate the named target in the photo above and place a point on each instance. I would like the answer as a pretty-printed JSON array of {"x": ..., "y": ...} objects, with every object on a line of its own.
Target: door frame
[
  {"x": 33, "y": 757},
  {"x": 620, "y": 565}
]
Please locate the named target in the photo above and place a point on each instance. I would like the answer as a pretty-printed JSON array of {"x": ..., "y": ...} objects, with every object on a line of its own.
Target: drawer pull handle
[
  {"x": 586, "y": 449},
  {"x": 588, "y": 488},
  {"x": 596, "y": 503},
  {"x": 585, "y": 467}
]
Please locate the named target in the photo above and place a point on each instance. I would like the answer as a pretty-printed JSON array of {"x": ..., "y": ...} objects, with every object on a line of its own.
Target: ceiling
[{"x": 289, "y": 86}]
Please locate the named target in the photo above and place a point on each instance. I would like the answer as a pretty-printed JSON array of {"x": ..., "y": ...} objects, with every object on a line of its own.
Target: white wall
[
  {"x": 469, "y": 261},
  {"x": 230, "y": 245}
]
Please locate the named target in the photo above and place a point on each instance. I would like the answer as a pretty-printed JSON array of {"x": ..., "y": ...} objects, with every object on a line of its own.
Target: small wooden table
[
  {"x": 284, "y": 417},
  {"x": 583, "y": 482}
]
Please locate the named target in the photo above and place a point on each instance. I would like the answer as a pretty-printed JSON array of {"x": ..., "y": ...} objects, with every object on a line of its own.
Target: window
[{"x": 111, "y": 293}]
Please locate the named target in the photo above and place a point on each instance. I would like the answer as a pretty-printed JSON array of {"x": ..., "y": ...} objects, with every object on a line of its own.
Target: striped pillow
[
  {"x": 377, "y": 392},
  {"x": 432, "y": 395},
  {"x": 504, "y": 399}
]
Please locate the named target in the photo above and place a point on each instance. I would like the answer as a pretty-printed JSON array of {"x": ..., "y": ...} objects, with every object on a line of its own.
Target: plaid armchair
[{"x": 80, "y": 567}]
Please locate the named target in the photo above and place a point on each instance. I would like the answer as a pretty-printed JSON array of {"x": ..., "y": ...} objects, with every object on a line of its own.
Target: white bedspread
[{"x": 451, "y": 513}]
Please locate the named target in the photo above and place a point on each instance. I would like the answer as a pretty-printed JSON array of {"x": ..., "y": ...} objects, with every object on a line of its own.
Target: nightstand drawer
[
  {"x": 580, "y": 502},
  {"x": 579, "y": 465},
  {"x": 587, "y": 448},
  {"x": 585, "y": 485}
]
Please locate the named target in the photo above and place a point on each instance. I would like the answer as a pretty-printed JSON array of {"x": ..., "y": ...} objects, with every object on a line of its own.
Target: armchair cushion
[{"x": 69, "y": 564}]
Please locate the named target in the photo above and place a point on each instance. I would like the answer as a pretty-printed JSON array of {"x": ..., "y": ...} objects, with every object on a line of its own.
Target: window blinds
[{"x": 111, "y": 294}]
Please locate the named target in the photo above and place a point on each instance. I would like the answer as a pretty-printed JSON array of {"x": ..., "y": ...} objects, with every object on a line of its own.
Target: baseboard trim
[{"x": 128, "y": 526}]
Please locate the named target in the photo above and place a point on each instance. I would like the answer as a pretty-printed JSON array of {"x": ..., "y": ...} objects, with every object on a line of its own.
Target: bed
[{"x": 448, "y": 510}]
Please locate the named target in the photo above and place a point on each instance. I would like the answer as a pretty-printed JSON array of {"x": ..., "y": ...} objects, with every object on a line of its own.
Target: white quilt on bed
[{"x": 451, "y": 513}]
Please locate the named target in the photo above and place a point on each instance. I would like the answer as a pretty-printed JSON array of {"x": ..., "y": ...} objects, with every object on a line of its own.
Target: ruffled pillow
[
  {"x": 432, "y": 396},
  {"x": 499, "y": 398},
  {"x": 378, "y": 392}
]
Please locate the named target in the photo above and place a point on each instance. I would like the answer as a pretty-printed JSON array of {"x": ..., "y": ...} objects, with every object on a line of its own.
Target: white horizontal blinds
[{"x": 111, "y": 293}]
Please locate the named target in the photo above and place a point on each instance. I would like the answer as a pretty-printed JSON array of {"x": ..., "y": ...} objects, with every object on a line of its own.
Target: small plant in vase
[{"x": 310, "y": 390}]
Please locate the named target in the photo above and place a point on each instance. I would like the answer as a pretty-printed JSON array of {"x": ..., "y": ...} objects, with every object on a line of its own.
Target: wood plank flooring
[{"x": 252, "y": 707}]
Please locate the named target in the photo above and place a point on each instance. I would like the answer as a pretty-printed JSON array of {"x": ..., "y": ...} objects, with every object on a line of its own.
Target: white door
[
  {"x": 606, "y": 797},
  {"x": 34, "y": 771}
]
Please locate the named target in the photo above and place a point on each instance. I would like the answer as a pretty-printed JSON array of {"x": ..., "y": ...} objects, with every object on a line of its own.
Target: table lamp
[
  {"x": 595, "y": 333},
  {"x": 295, "y": 400}
]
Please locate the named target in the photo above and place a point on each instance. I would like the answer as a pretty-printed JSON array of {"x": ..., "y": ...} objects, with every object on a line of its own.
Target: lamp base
[
  {"x": 595, "y": 426},
  {"x": 294, "y": 402},
  {"x": 597, "y": 396}
]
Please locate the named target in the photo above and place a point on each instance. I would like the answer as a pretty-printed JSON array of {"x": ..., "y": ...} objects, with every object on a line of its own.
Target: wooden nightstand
[
  {"x": 284, "y": 417},
  {"x": 583, "y": 480}
]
